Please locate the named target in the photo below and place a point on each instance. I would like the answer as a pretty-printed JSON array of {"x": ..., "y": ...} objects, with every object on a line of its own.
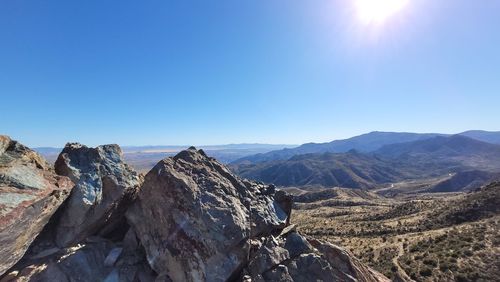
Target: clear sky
[{"x": 213, "y": 72}]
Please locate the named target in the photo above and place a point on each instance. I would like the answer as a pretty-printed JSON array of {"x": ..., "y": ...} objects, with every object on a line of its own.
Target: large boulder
[
  {"x": 199, "y": 222},
  {"x": 30, "y": 193},
  {"x": 196, "y": 220},
  {"x": 104, "y": 187}
]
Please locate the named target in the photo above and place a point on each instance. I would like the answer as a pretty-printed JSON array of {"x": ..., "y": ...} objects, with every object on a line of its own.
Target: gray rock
[
  {"x": 199, "y": 222},
  {"x": 113, "y": 256},
  {"x": 195, "y": 218},
  {"x": 104, "y": 187},
  {"x": 30, "y": 192},
  {"x": 311, "y": 267},
  {"x": 291, "y": 257},
  {"x": 85, "y": 263},
  {"x": 278, "y": 274},
  {"x": 269, "y": 255},
  {"x": 297, "y": 244},
  {"x": 113, "y": 276},
  {"x": 75, "y": 263},
  {"x": 346, "y": 266},
  {"x": 130, "y": 242},
  {"x": 45, "y": 253}
]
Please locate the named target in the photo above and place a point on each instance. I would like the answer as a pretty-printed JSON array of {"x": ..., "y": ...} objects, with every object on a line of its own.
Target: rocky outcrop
[
  {"x": 94, "y": 259},
  {"x": 199, "y": 222},
  {"x": 30, "y": 192},
  {"x": 293, "y": 257},
  {"x": 104, "y": 187},
  {"x": 346, "y": 267},
  {"x": 195, "y": 219},
  {"x": 191, "y": 220}
]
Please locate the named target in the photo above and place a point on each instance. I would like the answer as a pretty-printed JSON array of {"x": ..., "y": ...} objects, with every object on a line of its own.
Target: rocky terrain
[{"x": 93, "y": 218}]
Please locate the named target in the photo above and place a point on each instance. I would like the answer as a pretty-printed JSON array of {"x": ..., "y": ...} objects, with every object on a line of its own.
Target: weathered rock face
[
  {"x": 104, "y": 187},
  {"x": 195, "y": 219},
  {"x": 293, "y": 257},
  {"x": 94, "y": 259},
  {"x": 198, "y": 222},
  {"x": 191, "y": 220},
  {"x": 346, "y": 265},
  {"x": 30, "y": 192}
]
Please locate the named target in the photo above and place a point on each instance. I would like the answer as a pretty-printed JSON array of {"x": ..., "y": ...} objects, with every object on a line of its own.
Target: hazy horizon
[
  {"x": 274, "y": 72},
  {"x": 254, "y": 143}
]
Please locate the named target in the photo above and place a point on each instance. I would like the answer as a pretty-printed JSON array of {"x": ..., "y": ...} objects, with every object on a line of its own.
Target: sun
[{"x": 378, "y": 11}]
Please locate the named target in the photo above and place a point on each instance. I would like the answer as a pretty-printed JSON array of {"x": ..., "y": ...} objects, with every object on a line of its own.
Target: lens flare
[{"x": 378, "y": 11}]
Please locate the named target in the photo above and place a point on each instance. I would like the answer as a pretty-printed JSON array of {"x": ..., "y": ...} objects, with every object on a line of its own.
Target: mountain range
[
  {"x": 368, "y": 142},
  {"x": 351, "y": 169},
  {"x": 472, "y": 162},
  {"x": 459, "y": 149},
  {"x": 367, "y": 161}
]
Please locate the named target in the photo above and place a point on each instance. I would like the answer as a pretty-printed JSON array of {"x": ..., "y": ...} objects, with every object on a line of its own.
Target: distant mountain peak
[{"x": 368, "y": 142}]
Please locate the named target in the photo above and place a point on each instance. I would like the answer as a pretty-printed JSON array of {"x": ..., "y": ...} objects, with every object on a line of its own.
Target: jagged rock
[
  {"x": 104, "y": 187},
  {"x": 195, "y": 219},
  {"x": 347, "y": 266},
  {"x": 291, "y": 257},
  {"x": 198, "y": 222},
  {"x": 30, "y": 192},
  {"x": 192, "y": 220},
  {"x": 84, "y": 263},
  {"x": 269, "y": 255}
]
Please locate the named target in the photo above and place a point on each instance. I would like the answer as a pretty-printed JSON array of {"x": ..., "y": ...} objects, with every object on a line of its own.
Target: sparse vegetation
[{"x": 423, "y": 238}]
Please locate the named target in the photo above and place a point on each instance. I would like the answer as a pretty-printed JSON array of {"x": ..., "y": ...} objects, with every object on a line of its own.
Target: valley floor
[{"x": 422, "y": 237}]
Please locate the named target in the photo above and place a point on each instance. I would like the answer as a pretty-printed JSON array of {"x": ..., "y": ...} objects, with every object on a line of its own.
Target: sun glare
[{"x": 378, "y": 11}]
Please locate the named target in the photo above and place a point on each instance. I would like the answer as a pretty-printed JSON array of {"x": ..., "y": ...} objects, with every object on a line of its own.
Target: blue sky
[{"x": 213, "y": 72}]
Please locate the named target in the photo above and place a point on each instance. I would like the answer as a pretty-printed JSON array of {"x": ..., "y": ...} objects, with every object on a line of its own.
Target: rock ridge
[
  {"x": 188, "y": 219},
  {"x": 30, "y": 193},
  {"x": 219, "y": 227}
]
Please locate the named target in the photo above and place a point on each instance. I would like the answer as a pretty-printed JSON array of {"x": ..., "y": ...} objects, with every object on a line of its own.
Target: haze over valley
[{"x": 378, "y": 159}]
